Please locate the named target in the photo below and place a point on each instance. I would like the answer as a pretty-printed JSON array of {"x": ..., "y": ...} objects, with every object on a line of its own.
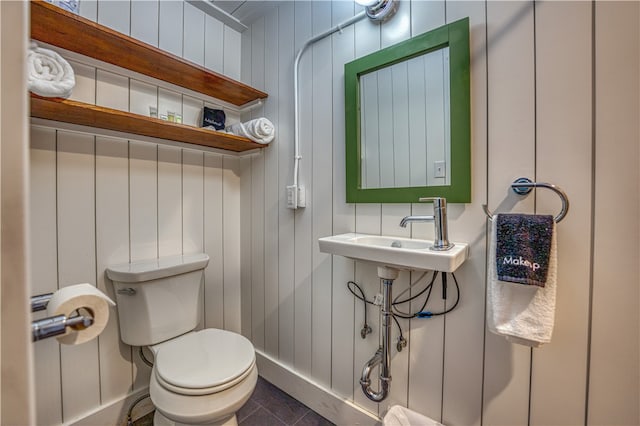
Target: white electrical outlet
[
  {"x": 302, "y": 197},
  {"x": 292, "y": 197},
  {"x": 296, "y": 197},
  {"x": 439, "y": 169}
]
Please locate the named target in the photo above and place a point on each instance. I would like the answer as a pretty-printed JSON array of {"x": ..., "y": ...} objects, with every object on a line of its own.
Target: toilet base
[{"x": 160, "y": 420}]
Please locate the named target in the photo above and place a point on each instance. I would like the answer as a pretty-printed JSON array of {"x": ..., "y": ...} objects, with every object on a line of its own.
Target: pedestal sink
[{"x": 395, "y": 252}]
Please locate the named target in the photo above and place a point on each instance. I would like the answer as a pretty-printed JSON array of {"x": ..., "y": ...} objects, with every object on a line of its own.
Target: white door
[{"x": 16, "y": 381}]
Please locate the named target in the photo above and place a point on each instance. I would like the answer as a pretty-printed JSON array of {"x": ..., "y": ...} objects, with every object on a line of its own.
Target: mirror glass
[
  {"x": 408, "y": 120},
  {"x": 404, "y": 123}
]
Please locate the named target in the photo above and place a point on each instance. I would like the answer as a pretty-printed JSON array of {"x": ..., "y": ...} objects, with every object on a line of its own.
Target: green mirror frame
[{"x": 456, "y": 36}]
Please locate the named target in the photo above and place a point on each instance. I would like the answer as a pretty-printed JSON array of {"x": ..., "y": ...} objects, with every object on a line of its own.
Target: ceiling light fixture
[{"x": 379, "y": 10}]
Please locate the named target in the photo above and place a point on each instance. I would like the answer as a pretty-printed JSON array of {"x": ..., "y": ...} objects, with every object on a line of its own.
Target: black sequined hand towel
[{"x": 523, "y": 245}]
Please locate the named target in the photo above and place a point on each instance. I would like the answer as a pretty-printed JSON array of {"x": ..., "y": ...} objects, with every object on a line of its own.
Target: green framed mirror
[{"x": 407, "y": 113}]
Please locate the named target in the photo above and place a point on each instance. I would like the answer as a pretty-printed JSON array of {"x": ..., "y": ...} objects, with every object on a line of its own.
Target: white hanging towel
[
  {"x": 259, "y": 130},
  {"x": 523, "y": 314},
  {"x": 49, "y": 74}
]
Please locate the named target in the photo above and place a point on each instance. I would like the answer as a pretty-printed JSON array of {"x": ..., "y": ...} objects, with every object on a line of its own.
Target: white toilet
[{"x": 199, "y": 377}]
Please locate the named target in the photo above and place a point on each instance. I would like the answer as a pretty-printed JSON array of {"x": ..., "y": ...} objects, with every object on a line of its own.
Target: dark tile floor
[{"x": 269, "y": 406}]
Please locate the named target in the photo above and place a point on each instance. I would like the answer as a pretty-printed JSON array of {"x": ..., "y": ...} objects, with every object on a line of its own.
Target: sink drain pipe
[{"x": 382, "y": 357}]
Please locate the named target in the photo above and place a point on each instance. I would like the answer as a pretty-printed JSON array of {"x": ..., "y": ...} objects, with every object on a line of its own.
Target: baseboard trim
[
  {"x": 115, "y": 413},
  {"x": 329, "y": 405}
]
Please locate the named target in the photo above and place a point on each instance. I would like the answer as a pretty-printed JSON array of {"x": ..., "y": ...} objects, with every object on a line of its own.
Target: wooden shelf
[
  {"x": 58, "y": 27},
  {"x": 69, "y": 111}
]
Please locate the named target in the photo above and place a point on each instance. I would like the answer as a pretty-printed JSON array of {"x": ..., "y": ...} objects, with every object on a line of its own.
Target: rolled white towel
[
  {"x": 49, "y": 74},
  {"x": 259, "y": 130}
]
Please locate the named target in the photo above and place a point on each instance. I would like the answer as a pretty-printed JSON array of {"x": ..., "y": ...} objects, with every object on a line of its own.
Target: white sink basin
[{"x": 395, "y": 252}]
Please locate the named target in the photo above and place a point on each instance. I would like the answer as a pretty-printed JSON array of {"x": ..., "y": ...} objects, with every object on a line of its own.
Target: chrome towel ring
[{"x": 523, "y": 186}]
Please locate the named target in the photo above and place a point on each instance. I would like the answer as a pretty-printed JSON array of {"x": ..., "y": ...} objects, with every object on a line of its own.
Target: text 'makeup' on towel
[{"x": 523, "y": 245}]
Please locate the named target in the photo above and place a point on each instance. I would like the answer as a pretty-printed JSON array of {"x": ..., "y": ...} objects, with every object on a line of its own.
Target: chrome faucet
[{"x": 439, "y": 219}]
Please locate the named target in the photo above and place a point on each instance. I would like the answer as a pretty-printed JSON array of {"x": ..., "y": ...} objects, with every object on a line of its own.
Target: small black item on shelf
[{"x": 213, "y": 118}]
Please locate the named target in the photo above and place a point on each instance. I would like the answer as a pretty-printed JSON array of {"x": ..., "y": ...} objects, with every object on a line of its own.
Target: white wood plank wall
[
  {"x": 100, "y": 200},
  {"x": 404, "y": 124},
  {"x": 555, "y": 98}
]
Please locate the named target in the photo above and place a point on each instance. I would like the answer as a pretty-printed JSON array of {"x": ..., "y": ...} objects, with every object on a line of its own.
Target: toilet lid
[{"x": 204, "y": 360}]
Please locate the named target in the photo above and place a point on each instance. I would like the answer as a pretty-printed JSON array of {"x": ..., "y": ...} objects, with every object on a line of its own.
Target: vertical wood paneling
[
  {"x": 142, "y": 96},
  {"x": 213, "y": 44},
  {"x": 391, "y": 216},
  {"x": 144, "y": 20},
  {"x": 272, "y": 189},
  {"x": 152, "y": 204},
  {"x": 613, "y": 386},
  {"x": 112, "y": 248},
  {"x": 368, "y": 220},
  {"x": 369, "y": 106},
  {"x": 383, "y": 164},
  {"x": 171, "y": 29},
  {"x": 169, "y": 101},
  {"x": 246, "y": 252},
  {"x": 436, "y": 119},
  {"x": 193, "y": 210},
  {"x": 441, "y": 374},
  {"x": 192, "y": 201},
  {"x": 303, "y": 217},
  {"x": 425, "y": 338},
  {"x": 77, "y": 263},
  {"x": 192, "y": 111},
  {"x": 170, "y": 218},
  {"x": 213, "y": 241},
  {"x": 321, "y": 197},
  {"x": 85, "y": 88},
  {"x": 564, "y": 145},
  {"x": 286, "y": 246},
  {"x": 88, "y": 9},
  {"x": 143, "y": 221},
  {"x": 232, "y": 45},
  {"x": 112, "y": 90},
  {"x": 342, "y": 324},
  {"x": 511, "y": 81},
  {"x": 256, "y": 286},
  {"x": 257, "y": 197},
  {"x": 115, "y": 15},
  {"x": 416, "y": 116},
  {"x": 245, "y": 56},
  {"x": 44, "y": 268},
  {"x": 401, "y": 153},
  {"x": 462, "y": 387},
  {"x": 194, "y": 33},
  {"x": 231, "y": 237}
]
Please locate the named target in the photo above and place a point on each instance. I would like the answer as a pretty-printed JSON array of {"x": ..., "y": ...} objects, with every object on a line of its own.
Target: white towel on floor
[
  {"x": 259, "y": 130},
  {"x": 49, "y": 74},
  {"x": 400, "y": 416},
  {"x": 524, "y": 314}
]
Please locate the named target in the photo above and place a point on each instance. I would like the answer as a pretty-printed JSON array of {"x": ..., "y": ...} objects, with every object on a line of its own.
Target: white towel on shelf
[
  {"x": 259, "y": 130},
  {"x": 49, "y": 74},
  {"x": 524, "y": 314}
]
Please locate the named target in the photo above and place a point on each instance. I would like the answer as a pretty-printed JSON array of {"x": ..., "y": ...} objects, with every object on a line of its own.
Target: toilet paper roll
[{"x": 81, "y": 296}]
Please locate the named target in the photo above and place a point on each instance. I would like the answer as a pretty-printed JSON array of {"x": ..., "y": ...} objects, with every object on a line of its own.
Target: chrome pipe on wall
[{"x": 382, "y": 356}]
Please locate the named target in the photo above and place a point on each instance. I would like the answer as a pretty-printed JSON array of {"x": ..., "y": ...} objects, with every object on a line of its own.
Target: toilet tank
[{"x": 158, "y": 299}]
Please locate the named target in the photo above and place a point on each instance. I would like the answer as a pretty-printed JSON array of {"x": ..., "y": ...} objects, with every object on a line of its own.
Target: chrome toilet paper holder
[{"x": 55, "y": 325}]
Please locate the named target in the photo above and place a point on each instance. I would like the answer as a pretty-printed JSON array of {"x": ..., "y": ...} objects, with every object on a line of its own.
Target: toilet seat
[{"x": 203, "y": 362}]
